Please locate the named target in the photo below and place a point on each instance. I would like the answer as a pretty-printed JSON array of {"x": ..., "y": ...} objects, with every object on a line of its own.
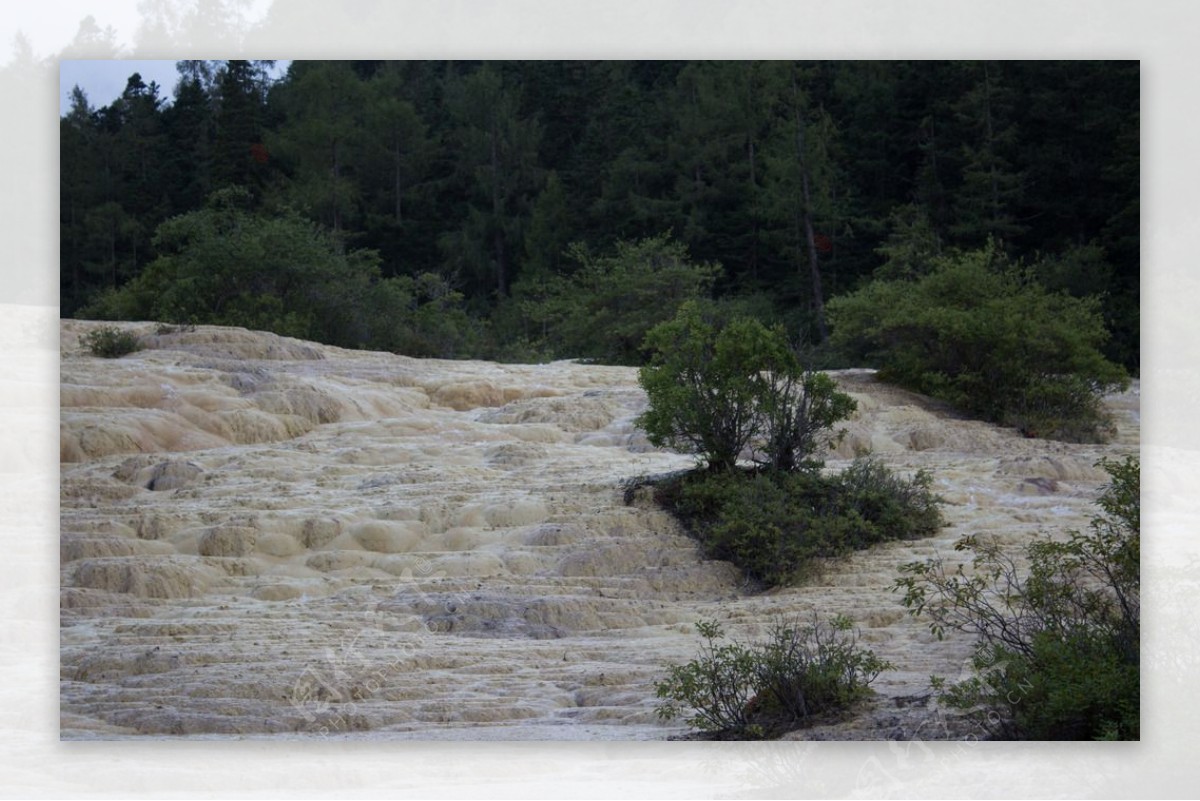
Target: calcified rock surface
[{"x": 268, "y": 537}]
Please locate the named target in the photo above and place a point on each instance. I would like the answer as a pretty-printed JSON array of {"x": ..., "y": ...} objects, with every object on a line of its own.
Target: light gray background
[{"x": 33, "y": 764}]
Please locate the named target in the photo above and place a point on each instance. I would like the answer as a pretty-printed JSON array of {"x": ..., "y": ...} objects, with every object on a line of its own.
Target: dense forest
[{"x": 542, "y": 209}]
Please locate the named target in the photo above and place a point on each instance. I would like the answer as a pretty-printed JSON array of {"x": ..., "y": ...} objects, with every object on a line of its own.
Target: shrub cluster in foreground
[
  {"x": 733, "y": 391},
  {"x": 1058, "y": 654},
  {"x": 739, "y": 691},
  {"x": 725, "y": 389}
]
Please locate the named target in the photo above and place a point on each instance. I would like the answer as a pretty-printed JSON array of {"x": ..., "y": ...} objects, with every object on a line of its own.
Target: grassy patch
[{"x": 110, "y": 342}]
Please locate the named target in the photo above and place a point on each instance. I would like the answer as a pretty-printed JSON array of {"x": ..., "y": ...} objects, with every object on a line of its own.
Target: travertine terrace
[{"x": 268, "y": 537}]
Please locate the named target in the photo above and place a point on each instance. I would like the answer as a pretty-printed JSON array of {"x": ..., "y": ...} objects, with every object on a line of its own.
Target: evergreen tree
[
  {"x": 238, "y": 153},
  {"x": 77, "y": 189},
  {"x": 991, "y": 184},
  {"x": 549, "y": 231},
  {"x": 800, "y": 184},
  {"x": 625, "y": 138},
  {"x": 396, "y": 155},
  {"x": 498, "y": 170},
  {"x": 321, "y": 139},
  {"x": 188, "y": 126}
]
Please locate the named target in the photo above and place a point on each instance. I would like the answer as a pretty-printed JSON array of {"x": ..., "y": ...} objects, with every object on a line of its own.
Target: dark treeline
[{"x": 497, "y": 188}]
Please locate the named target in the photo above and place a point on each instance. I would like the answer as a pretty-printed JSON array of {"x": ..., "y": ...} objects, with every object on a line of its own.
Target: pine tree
[
  {"x": 188, "y": 125},
  {"x": 498, "y": 167},
  {"x": 237, "y": 152},
  {"x": 321, "y": 139},
  {"x": 991, "y": 184},
  {"x": 801, "y": 183}
]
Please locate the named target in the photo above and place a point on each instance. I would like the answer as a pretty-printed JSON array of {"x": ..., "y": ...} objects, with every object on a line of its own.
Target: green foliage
[
  {"x": 764, "y": 689},
  {"x": 323, "y": 108},
  {"x": 1058, "y": 648},
  {"x": 774, "y": 525},
  {"x": 421, "y": 316},
  {"x": 798, "y": 178},
  {"x": 496, "y": 155},
  {"x": 110, "y": 342},
  {"x": 704, "y": 384},
  {"x": 722, "y": 389},
  {"x": 603, "y": 310},
  {"x": 910, "y": 246},
  {"x": 719, "y": 388},
  {"x": 980, "y": 333},
  {"x": 226, "y": 266},
  {"x": 546, "y": 241},
  {"x": 799, "y": 409}
]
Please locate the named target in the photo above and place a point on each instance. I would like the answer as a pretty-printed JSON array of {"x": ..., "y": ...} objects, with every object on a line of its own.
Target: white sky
[
  {"x": 51, "y": 25},
  {"x": 103, "y": 81}
]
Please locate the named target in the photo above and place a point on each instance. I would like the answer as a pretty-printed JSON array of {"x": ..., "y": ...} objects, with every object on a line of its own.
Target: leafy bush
[
  {"x": 603, "y": 309},
  {"x": 760, "y": 690},
  {"x": 419, "y": 316},
  {"x": 718, "y": 389},
  {"x": 704, "y": 384},
  {"x": 773, "y": 524},
  {"x": 799, "y": 409},
  {"x": 223, "y": 265},
  {"x": 890, "y": 507},
  {"x": 982, "y": 334},
  {"x": 728, "y": 389},
  {"x": 1058, "y": 649},
  {"x": 110, "y": 342}
]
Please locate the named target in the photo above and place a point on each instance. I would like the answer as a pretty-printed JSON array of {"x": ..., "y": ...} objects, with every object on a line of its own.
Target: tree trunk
[
  {"x": 806, "y": 215},
  {"x": 335, "y": 173},
  {"x": 987, "y": 119},
  {"x": 497, "y": 208},
  {"x": 396, "y": 158},
  {"x": 112, "y": 250},
  {"x": 754, "y": 224}
]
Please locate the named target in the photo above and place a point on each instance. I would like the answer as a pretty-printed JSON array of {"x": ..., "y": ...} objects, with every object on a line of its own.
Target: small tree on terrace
[{"x": 720, "y": 390}]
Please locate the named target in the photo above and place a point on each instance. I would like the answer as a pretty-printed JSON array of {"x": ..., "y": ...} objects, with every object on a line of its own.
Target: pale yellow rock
[{"x": 387, "y": 546}]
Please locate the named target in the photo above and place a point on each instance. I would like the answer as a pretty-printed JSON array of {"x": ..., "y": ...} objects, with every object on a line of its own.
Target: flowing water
[{"x": 267, "y": 537}]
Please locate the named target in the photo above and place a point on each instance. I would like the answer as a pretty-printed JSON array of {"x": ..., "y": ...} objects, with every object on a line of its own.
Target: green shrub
[
  {"x": 603, "y": 308},
  {"x": 891, "y": 507},
  {"x": 1058, "y": 644},
  {"x": 704, "y": 384},
  {"x": 773, "y": 525},
  {"x": 762, "y": 690},
  {"x": 110, "y": 342},
  {"x": 224, "y": 264},
  {"x": 722, "y": 389},
  {"x": 420, "y": 316},
  {"x": 799, "y": 409},
  {"x": 728, "y": 389},
  {"x": 982, "y": 334}
]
